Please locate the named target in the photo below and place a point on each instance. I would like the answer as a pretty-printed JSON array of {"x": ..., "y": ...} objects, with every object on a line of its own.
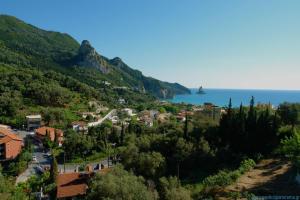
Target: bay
[{"x": 220, "y": 97}]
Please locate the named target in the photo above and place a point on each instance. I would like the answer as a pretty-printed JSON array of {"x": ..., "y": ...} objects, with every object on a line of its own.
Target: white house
[
  {"x": 129, "y": 112},
  {"x": 121, "y": 101}
]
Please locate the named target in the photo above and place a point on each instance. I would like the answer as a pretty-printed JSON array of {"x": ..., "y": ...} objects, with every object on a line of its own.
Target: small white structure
[
  {"x": 33, "y": 121},
  {"x": 129, "y": 112},
  {"x": 121, "y": 101},
  {"x": 106, "y": 83},
  {"x": 80, "y": 126},
  {"x": 114, "y": 119}
]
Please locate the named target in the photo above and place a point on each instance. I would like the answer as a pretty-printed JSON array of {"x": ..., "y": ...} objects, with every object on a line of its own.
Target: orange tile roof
[
  {"x": 71, "y": 191},
  {"x": 8, "y": 136},
  {"x": 5, "y": 139},
  {"x": 75, "y": 184},
  {"x": 72, "y": 184},
  {"x": 43, "y": 130}
]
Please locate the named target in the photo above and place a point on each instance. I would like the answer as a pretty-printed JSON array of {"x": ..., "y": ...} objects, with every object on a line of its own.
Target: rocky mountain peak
[
  {"x": 86, "y": 48},
  {"x": 117, "y": 62},
  {"x": 88, "y": 57},
  {"x": 117, "y": 59}
]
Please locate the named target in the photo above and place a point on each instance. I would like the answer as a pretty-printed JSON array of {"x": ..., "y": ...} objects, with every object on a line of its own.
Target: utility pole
[
  {"x": 108, "y": 157},
  {"x": 64, "y": 161}
]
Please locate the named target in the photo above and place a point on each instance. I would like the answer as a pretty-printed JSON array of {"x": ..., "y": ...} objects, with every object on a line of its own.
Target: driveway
[{"x": 41, "y": 160}]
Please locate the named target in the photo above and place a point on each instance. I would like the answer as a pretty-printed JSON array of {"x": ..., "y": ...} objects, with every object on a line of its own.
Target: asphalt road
[
  {"x": 100, "y": 121},
  {"x": 38, "y": 153}
]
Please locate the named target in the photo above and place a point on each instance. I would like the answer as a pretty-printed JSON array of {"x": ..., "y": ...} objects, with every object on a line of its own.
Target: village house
[
  {"x": 10, "y": 144},
  {"x": 129, "y": 112},
  {"x": 181, "y": 116},
  {"x": 148, "y": 121},
  {"x": 71, "y": 185},
  {"x": 121, "y": 101},
  {"x": 33, "y": 121},
  {"x": 148, "y": 116},
  {"x": 75, "y": 184},
  {"x": 212, "y": 111},
  {"x": 80, "y": 126},
  {"x": 114, "y": 119},
  {"x": 52, "y": 133}
]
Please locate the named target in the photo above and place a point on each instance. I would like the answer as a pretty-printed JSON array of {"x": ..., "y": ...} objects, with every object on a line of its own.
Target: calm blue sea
[{"x": 220, "y": 97}]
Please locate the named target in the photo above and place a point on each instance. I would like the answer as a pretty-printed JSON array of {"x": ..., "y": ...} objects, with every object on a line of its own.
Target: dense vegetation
[
  {"x": 202, "y": 153},
  {"x": 27, "y": 46}
]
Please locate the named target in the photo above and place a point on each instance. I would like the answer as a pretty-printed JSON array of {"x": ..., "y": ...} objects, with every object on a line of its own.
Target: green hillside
[{"x": 27, "y": 46}]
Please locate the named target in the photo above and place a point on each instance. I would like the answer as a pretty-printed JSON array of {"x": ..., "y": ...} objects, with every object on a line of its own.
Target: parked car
[
  {"x": 48, "y": 154},
  {"x": 34, "y": 159},
  {"x": 39, "y": 169}
]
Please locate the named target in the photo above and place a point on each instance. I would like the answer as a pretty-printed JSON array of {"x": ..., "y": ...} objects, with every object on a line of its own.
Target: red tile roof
[
  {"x": 5, "y": 139},
  {"x": 8, "y": 136},
  {"x": 71, "y": 191},
  {"x": 72, "y": 184},
  {"x": 75, "y": 184},
  {"x": 42, "y": 131}
]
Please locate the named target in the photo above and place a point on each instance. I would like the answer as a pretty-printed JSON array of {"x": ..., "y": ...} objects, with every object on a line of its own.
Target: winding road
[{"x": 100, "y": 121}]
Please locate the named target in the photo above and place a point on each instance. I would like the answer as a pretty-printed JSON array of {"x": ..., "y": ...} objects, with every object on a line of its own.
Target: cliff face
[{"x": 88, "y": 57}]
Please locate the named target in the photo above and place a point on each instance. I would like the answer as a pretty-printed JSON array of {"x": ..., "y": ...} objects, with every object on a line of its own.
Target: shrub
[
  {"x": 225, "y": 177},
  {"x": 246, "y": 165}
]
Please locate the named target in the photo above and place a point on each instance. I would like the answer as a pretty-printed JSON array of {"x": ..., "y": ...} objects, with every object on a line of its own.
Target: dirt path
[{"x": 269, "y": 177}]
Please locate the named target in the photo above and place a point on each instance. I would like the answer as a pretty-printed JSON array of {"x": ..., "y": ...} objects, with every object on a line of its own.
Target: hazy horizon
[{"x": 232, "y": 44}]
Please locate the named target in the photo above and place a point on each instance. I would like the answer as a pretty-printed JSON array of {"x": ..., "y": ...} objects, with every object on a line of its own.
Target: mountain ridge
[{"x": 26, "y": 45}]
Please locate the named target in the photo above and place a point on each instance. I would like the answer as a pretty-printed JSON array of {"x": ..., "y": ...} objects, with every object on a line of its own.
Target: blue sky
[{"x": 217, "y": 44}]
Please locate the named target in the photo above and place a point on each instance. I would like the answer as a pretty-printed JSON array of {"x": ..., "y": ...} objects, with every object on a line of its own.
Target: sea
[{"x": 220, "y": 97}]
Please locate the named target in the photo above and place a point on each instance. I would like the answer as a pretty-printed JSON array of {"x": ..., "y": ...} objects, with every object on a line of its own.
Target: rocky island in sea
[{"x": 200, "y": 90}]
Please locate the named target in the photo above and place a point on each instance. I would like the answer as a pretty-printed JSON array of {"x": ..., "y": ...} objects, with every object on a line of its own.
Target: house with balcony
[
  {"x": 10, "y": 144},
  {"x": 55, "y": 135},
  {"x": 33, "y": 121},
  {"x": 80, "y": 127}
]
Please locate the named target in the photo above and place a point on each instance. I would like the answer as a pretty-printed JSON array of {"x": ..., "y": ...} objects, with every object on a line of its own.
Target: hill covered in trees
[{"x": 24, "y": 45}]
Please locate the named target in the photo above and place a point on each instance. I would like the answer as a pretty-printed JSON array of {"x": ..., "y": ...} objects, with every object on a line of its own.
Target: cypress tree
[
  {"x": 229, "y": 110},
  {"x": 225, "y": 124},
  {"x": 54, "y": 169},
  {"x": 252, "y": 116}
]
